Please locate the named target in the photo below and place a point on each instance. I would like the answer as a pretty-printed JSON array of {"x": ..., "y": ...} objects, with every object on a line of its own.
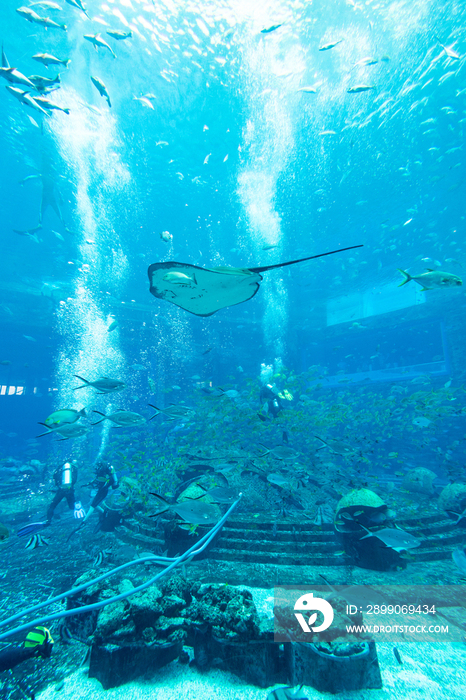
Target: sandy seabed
[{"x": 433, "y": 671}]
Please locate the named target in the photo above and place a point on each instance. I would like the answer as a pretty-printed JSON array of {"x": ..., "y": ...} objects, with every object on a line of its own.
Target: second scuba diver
[
  {"x": 38, "y": 642},
  {"x": 105, "y": 477}
]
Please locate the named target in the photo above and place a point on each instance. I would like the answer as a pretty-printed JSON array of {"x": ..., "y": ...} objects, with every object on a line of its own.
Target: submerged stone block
[
  {"x": 333, "y": 668},
  {"x": 257, "y": 662},
  {"x": 114, "y": 665}
]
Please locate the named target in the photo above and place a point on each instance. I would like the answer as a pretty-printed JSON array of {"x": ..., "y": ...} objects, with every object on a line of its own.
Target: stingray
[
  {"x": 203, "y": 291},
  {"x": 191, "y": 511}
]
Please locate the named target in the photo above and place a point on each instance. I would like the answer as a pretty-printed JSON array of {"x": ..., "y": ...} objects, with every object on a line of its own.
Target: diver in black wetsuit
[
  {"x": 65, "y": 478},
  {"x": 270, "y": 401},
  {"x": 38, "y": 642},
  {"x": 105, "y": 476}
]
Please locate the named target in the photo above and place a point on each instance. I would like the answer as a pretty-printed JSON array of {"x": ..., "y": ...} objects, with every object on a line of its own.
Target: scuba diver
[
  {"x": 105, "y": 476},
  {"x": 65, "y": 478},
  {"x": 270, "y": 400},
  {"x": 38, "y": 642}
]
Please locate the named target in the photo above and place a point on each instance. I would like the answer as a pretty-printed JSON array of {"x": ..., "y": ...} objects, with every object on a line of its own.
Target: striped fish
[
  {"x": 36, "y": 541},
  {"x": 100, "y": 557}
]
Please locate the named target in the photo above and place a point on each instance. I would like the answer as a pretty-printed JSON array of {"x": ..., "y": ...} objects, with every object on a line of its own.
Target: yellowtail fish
[{"x": 432, "y": 279}]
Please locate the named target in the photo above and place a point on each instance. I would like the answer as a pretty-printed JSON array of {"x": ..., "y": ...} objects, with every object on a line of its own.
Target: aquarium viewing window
[
  {"x": 381, "y": 354},
  {"x": 6, "y": 390},
  {"x": 391, "y": 374},
  {"x": 372, "y": 302}
]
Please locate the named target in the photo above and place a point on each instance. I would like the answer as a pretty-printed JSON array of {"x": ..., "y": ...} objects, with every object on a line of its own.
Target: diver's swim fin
[
  {"x": 73, "y": 532},
  {"x": 32, "y": 528},
  {"x": 89, "y": 512}
]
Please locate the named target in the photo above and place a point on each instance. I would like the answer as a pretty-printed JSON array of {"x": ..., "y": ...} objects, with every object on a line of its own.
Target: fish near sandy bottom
[
  {"x": 393, "y": 538},
  {"x": 191, "y": 511}
]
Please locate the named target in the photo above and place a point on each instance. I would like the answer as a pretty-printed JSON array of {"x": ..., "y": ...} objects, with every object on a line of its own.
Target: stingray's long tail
[{"x": 293, "y": 262}]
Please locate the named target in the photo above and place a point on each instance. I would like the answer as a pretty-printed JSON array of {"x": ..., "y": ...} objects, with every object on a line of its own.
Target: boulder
[
  {"x": 114, "y": 665},
  {"x": 333, "y": 668}
]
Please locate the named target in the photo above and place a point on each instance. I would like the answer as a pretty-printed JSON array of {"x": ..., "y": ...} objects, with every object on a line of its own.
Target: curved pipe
[{"x": 173, "y": 562}]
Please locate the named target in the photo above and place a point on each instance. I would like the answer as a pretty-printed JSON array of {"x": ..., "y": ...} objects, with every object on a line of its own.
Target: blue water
[
  {"x": 122, "y": 176},
  {"x": 243, "y": 169}
]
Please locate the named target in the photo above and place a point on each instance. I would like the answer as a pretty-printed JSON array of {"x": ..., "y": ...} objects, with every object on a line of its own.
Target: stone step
[
  {"x": 294, "y": 544},
  {"x": 276, "y": 525},
  {"x": 310, "y": 559},
  {"x": 267, "y": 557}
]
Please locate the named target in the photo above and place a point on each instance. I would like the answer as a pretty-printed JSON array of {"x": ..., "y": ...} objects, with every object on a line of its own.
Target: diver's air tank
[{"x": 66, "y": 475}]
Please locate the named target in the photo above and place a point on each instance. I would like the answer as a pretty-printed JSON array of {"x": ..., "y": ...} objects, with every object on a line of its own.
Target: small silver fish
[
  {"x": 123, "y": 419},
  {"x": 79, "y": 5},
  {"x": 360, "y": 88},
  {"x": 101, "y": 88},
  {"x": 104, "y": 385},
  {"x": 119, "y": 35},
  {"x": 331, "y": 45},
  {"x": 48, "y": 60},
  {"x": 97, "y": 41},
  {"x": 272, "y": 28},
  {"x": 14, "y": 76}
]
